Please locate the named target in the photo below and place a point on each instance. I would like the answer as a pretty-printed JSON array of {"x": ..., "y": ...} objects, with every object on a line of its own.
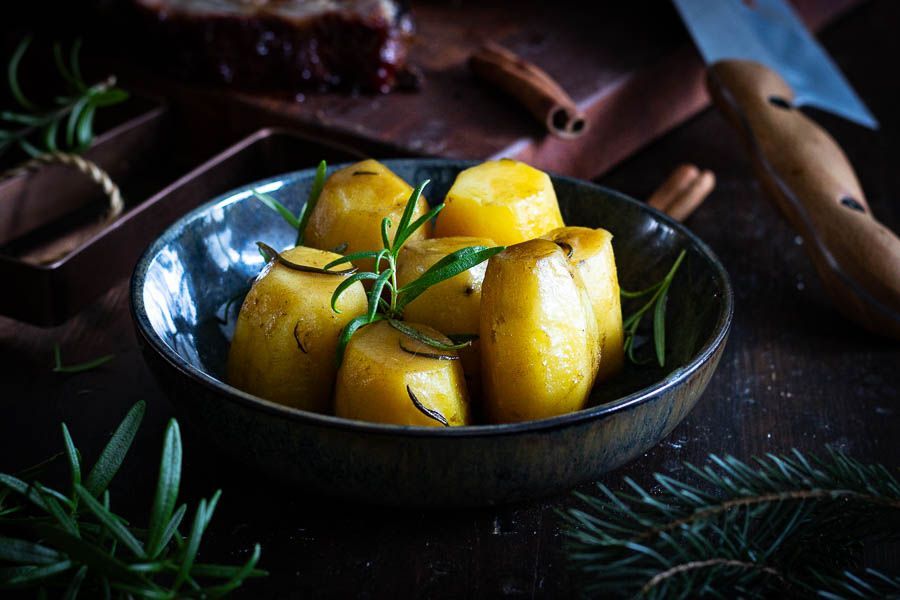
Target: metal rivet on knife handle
[
  {"x": 852, "y": 204},
  {"x": 780, "y": 102}
]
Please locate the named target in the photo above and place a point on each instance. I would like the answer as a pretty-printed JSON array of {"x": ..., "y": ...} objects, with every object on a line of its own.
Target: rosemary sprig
[
  {"x": 73, "y": 541},
  {"x": 300, "y": 221},
  {"x": 68, "y": 125},
  {"x": 269, "y": 254},
  {"x": 407, "y": 345},
  {"x": 786, "y": 526},
  {"x": 660, "y": 295},
  {"x": 58, "y": 367},
  {"x": 421, "y": 336},
  {"x": 386, "y": 298}
]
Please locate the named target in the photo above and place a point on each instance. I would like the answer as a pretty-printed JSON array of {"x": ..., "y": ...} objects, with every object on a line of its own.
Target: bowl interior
[{"x": 189, "y": 285}]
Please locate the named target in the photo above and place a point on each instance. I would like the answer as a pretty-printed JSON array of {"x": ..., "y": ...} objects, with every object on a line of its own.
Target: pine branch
[
  {"x": 871, "y": 585},
  {"x": 787, "y": 523}
]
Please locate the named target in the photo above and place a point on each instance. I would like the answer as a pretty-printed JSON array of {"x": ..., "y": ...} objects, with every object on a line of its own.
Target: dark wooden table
[{"x": 794, "y": 375}]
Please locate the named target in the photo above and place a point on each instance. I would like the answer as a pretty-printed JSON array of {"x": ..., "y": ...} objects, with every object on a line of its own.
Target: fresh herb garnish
[
  {"x": 72, "y": 541},
  {"x": 428, "y": 412},
  {"x": 421, "y": 336},
  {"x": 781, "y": 526},
  {"x": 299, "y": 222},
  {"x": 269, "y": 254},
  {"x": 407, "y": 346},
  {"x": 384, "y": 275},
  {"x": 300, "y": 345},
  {"x": 280, "y": 208},
  {"x": 58, "y": 367},
  {"x": 66, "y": 126},
  {"x": 657, "y": 302}
]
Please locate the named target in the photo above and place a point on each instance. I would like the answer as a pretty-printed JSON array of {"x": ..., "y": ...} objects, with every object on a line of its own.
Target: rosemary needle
[
  {"x": 657, "y": 302},
  {"x": 58, "y": 367},
  {"x": 298, "y": 223}
]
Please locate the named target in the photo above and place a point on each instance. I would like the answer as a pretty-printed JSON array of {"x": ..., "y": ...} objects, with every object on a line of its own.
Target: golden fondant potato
[
  {"x": 452, "y": 306},
  {"x": 591, "y": 252},
  {"x": 503, "y": 200},
  {"x": 539, "y": 338},
  {"x": 384, "y": 374},
  {"x": 352, "y": 205},
  {"x": 286, "y": 334}
]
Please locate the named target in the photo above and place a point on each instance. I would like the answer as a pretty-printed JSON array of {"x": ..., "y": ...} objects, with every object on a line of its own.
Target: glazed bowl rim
[{"x": 671, "y": 380}]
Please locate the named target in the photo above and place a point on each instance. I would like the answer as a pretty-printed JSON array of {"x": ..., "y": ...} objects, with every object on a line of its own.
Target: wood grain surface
[{"x": 795, "y": 374}]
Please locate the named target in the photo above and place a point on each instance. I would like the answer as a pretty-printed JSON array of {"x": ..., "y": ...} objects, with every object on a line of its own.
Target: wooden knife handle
[{"x": 814, "y": 186}]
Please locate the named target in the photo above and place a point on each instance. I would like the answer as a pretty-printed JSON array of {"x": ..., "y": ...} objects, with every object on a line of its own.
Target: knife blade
[
  {"x": 761, "y": 65},
  {"x": 770, "y": 32}
]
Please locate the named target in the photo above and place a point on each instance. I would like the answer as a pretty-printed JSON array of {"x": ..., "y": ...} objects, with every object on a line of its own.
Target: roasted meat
[{"x": 279, "y": 44}]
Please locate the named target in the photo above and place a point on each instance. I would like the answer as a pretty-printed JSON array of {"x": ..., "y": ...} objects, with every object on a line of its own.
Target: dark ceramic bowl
[{"x": 185, "y": 279}]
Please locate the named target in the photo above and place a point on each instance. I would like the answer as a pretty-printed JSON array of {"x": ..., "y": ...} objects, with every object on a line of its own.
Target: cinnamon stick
[
  {"x": 532, "y": 87},
  {"x": 683, "y": 191}
]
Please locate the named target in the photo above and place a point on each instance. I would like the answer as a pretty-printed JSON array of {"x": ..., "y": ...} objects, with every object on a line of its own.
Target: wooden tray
[
  {"x": 49, "y": 294},
  {"x": 36, "y": 198}
]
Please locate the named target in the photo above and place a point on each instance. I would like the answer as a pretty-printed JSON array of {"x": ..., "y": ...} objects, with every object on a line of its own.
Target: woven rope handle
[{"x": 89, "y": 168}]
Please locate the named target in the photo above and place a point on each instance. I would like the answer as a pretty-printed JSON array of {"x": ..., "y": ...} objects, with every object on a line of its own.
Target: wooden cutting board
[{"x": 630, "y": 66}]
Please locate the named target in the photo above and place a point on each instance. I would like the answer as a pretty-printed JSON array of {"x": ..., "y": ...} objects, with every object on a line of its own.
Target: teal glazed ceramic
[{"x": 186, "y": 279}]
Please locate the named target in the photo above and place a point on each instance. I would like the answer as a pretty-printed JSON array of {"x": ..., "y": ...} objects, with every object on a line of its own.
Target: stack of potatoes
[{"x": 546, "y": 310}]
